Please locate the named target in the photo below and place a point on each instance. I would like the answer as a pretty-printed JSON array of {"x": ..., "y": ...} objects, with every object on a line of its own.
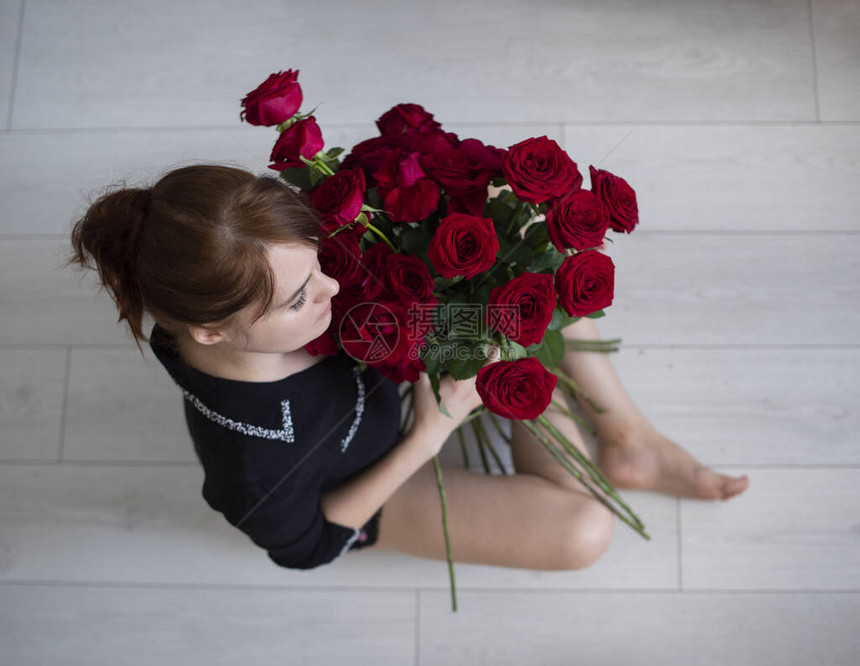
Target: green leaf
[
  {"x": 596, "y": 315},
  {"x": 334, "y": 152},
  {"x": 500, "y": 212},
  {"x": 434, "y": 382},
  {"x": 498, "y": 181},
  {"x": 513, "y": 350},
  {"x": 465, "y": 368},
  {"x": 550, "y": 352},
  {"x": 316, "y": 176},
  {"x": 298, "y": 176},
  {"x": 537, "y": 235},
  {"x": 546, "y": 262},
  {"x": 415, "y": 240},
  {"x": 560, "y": 320}
]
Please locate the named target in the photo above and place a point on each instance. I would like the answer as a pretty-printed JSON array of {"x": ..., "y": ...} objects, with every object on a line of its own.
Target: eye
[{"x": 299, "y": 303}]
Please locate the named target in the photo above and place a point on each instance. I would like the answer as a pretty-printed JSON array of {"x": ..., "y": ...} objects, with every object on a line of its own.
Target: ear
[{"x": 206, "y": 336}]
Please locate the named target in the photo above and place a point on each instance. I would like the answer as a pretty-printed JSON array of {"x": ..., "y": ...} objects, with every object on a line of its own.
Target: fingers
[{"x": 494, "y": 355}]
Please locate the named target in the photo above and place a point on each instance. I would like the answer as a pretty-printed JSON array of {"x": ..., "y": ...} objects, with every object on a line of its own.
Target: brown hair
[{"x": 191, "y": 250}]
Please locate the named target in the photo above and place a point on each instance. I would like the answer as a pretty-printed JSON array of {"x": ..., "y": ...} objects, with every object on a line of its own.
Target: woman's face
[{"x": 301, "y": 305}]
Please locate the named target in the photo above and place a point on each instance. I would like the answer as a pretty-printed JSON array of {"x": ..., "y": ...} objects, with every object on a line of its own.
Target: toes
[{"x": 734, "y": 486}]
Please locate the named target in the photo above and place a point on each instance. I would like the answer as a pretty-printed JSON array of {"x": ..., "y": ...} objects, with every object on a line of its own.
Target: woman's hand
[{"x": 458, "y": 396}]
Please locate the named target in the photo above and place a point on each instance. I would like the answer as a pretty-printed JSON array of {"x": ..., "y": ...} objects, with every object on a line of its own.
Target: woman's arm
[{"x": 353, "y": 503}]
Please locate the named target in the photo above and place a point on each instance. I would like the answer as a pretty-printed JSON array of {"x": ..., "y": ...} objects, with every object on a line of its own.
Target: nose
[{"x": 332, "y": 284}]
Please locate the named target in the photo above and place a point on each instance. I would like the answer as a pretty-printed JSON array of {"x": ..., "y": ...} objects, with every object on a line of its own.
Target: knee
[{"x": 589, "y": 536}]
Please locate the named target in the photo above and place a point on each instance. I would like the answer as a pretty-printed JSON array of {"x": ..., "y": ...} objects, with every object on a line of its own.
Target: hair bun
[{"x": 106, "y": 238}]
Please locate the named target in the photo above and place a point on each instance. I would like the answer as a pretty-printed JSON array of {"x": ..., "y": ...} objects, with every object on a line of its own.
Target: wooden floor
[{"x": 737, "y": 301}]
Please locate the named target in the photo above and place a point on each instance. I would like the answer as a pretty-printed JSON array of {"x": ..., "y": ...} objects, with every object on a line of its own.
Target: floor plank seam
[
  {"x": 65, "y": 406},
  {"x": 815, "y": 90},
  {"x": 678, "y": 531},
  {"x": 16, "y": 59},
  {"x": 417, "y": 637},
  {"x": 336, "y": 126},
  {"x": 442, "y": 589}
]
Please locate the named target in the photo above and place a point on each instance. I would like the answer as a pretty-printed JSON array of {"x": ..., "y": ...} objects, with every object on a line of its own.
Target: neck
[{"x": 229, "y": 363}]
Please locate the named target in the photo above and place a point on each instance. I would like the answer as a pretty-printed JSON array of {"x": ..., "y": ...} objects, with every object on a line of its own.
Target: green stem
[
  {"x": 480, "y": 425},
  {"x": 380, "y": 234},
  {"x": 498, "y": 426},
  {"x": 568, "y": 465},
  {"x": 438, "y": 468},
  {"x": 472, "y": 416},
  {"x": 593, "y": 470},
  {"x": 483, "y": 454},
  {"x": 574, "y": 417},
  {"x": 318, "y": 163},
  {"x": 463, "y": 447},
  {"x": 410, "y": 396},
  {"x": 569, "y": 385},
  {"x": 604, "y": 346}
]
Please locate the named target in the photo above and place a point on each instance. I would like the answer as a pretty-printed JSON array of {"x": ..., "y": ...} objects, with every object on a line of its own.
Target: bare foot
[{"x": 644, "y": 459}]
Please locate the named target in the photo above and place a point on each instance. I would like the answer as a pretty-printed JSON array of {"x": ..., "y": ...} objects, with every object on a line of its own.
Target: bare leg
[
  {"x": 633, "y": 453},
  {"x": 540, "y": 518}
]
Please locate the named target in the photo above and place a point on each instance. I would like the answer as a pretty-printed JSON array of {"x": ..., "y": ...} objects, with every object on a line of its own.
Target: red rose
[
  {"x": 301, "y": 139},
  {"x": 463, "y": 245},
  {"x": 464, "y": 174},
  {"x": 338, "y": 200},
  {"x": 409, "y": 196},
  {"x": 275, "y": 100},
  {"x": 585, "y": 283},
  {"x": 406, "y": 118},
  {"x": 340, "y": 258},
  {"x": 374, "y": 268},
  {"x": 579, "y": 219},
  {"x": 517, "y": 390},
  {"x": 326, "y": 344},
  {"x": 618, "y": 196},
  {"x": 538, "y": 170},
  {"x": 522, "y": 308},
  {"x": 368, "y": 154},
  {"x": 410, "y": 279},
  {"x": 405, "y": 371},
  {"x": 456, "y": 171}
]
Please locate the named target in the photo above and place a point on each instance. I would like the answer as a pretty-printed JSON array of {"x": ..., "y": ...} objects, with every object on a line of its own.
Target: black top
[{"x": 269, "y": 450}]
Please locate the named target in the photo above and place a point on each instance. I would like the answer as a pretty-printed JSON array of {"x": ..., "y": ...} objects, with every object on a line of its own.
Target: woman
[{"x": 301, "y": 452}]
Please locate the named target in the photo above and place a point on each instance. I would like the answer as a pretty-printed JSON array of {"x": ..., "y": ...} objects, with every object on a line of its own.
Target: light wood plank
[
  {"x": 734, "y": 290},
  {"x": 750, "y": 406},
  {"x": 31, "y": 403},
  {"x": 91, "y": 523},
  {"x": 670, "y": 289},
  {"x": 837, "y": 50},
  {"x": 727, "y": 629},
  {"x": 85, "y": 164},
  {"x": 178, "y": 626},
  {"x": 795, "y": 529},
  {"x": 124, "y": 407},
  {"x": 617, "y": 61},
  {"x": 730, "y": 178},
  {"x": 44, "y": 303}
]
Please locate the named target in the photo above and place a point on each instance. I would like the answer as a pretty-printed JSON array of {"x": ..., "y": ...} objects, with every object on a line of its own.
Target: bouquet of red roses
[{"x": 445, "y": 247}]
